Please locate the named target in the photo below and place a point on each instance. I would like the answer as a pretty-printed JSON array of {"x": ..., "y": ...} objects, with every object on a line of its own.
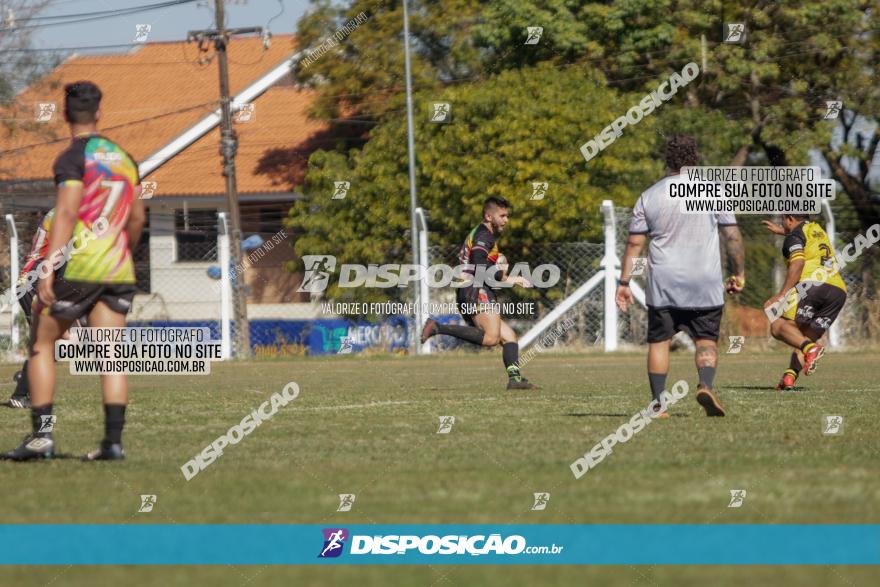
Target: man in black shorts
[
  {"x": 811, "y": 297},
  {"x": 685, "y": 291},
  {"x": 477, "y": 302},
  {"x": 88, "y": 269}
]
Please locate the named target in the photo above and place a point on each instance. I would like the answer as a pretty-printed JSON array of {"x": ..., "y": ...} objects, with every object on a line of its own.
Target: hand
[
  {"x": 773, "y": 301},
  {"x": 624, "y": 297},
  {"x": 45, "y": 291},
  {"x": 520, "y": 281},
  {"x": 735, "y": 284},
  {"x": 773, "y": 227}
]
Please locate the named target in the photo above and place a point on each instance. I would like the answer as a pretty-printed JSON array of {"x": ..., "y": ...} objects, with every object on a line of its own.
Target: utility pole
[
  {"x": 228, "y": 146},
  {"x": 413, "y": 197}
]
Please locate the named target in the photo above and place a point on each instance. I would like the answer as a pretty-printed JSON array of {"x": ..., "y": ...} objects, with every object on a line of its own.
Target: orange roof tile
[{"x": 152, "y": 95}]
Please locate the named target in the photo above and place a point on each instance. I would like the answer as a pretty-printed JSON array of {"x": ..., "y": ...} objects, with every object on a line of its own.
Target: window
[{"x": 195, "y": 232}]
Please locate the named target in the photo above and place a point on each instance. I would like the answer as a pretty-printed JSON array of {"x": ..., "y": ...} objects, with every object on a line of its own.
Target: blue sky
[{"x": 168, "y": 24}]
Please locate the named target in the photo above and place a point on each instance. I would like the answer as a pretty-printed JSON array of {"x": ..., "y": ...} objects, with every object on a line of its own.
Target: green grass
[{"x": 369, "y": 427}]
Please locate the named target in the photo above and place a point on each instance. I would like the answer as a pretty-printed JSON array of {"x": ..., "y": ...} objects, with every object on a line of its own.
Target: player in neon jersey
[
  {"x": 813, "y": 289},
  {"x": 97, "y": 204}
]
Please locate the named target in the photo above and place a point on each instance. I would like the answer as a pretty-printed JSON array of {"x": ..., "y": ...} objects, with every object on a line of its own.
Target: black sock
[
  {"x": 114, "y": 420},
  {"x": 806, "y": 343},
  {"x": 41, "y": 421},
  {"x": 795, "y": 363},
  {"x": 658, "y": 383},
  {"x": 510, "y": 354},
  {"x": 467, "y": 333},
  {"x": 22, "y": 389},
  {"x": 707, "y": 376}
]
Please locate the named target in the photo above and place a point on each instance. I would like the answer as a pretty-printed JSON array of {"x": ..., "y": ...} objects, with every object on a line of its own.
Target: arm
[
  {"x": 791, "y": 279},
  {"x": 136, "y": 219},
  {"x": 634, "y": 245},
  {"x": 66, "y": 208},
  {"x": 736, "y": 254}
]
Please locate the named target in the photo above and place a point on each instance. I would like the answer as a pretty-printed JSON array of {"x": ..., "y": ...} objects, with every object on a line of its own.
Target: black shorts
[
  {"x": 819, "y": 307},
  {"x": 75, "y": 299},
  {"x": 663, "y": 323},
  {"x": 469, "y": 300}
]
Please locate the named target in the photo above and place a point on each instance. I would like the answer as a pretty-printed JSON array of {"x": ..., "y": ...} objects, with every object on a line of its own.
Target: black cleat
[
  {"x": 106, "y": 452},
  {"x": 521, "y": 383},
  {"x": 710, "y": 403},
  {"x": 18, "y": 402},
  {"x": 33, "y": 447},
  {"x": 429, "y": 330}
]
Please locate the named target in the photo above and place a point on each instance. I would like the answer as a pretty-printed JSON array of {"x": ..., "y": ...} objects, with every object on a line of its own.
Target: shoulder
[{"x": 483, "y": 237}]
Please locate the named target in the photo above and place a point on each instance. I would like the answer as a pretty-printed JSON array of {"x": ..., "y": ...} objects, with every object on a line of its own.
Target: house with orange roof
[{"x": 161, "y": 103}]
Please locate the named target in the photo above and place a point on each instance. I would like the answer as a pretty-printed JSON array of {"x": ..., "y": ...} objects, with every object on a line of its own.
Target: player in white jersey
[{"x": 685, "y": 289}]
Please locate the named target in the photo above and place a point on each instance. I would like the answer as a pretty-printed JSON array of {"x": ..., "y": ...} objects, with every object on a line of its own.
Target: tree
[{"x": 520, "y": 127}]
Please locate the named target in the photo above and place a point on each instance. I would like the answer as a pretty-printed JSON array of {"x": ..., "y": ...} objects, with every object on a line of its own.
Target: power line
[{"x": 101, "y": 15}]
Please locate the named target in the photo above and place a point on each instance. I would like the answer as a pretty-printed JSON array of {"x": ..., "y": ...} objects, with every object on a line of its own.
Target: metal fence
[{"x": 179, "y": 281}]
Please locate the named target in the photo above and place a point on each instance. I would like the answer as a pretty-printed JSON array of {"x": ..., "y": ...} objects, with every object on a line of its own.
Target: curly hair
[{"x": 681, "y": 151}]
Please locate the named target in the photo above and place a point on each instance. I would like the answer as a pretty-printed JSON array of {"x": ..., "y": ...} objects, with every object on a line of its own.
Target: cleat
[
  {"x": 18, "y": 402},
  {"x": 33, "y": 447},
  {"x": 521, "y": 383},
  {"x": 659, "y": 412},
  {"x": 429, "y": 330},
  {"x": 106, "y": 452},
  {"x": 811, "y": 358},
  {"x": 786, "y": 383},
  {"x": 710, "y": 403}
]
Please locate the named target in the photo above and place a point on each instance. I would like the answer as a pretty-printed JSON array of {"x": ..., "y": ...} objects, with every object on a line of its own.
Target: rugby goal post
[{"x": 607, "y": 275}]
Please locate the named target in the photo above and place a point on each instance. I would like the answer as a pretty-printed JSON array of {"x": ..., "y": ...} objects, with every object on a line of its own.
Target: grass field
[{"x": 368, "y": 426}]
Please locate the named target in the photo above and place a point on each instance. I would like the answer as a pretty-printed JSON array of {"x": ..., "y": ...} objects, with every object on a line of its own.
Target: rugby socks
[
  {"x": 794, "y": 365},
  {"x": 707, "y": 376},
  {"x": 40, "y": 420},
  {"x": 466, "y": 333},
  {"x": 114, "y": 420},
  {"x": 510, "y": 354},
  {"x": 808, "y": 344},
  {"x": 658, "y": 383}
]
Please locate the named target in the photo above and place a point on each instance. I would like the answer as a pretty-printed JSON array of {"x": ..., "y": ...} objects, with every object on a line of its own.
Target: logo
[
  {"x": 541, "y": 500},
  {"x": 147, "y": 503},
  {"x": 823, "y": 322},
  {"x": 47, "y": 423},
  {"x": 345, "y": 346},
  {"x": 737, "y": 497},
  {"x": 446, "y": 423},
  {"x": 141, "y": 32},
  {"x": 533, "y": 34},
  {"x": 148, "y": 189},
  {"x": 246, "y": 113},
  {"x": 832, "y": 109},
  {"x": 735, "y": 32},
  {"x": 539, "y": 190},
  {"x": 318, "y": 269},
  {"x": 832, "y": 425},
  {"x": 346, "y": 501},
  {"x": 440, "y": 112},
  {"x": 334, "y": 541},
  {"x": 640, "y": 265},
  {"x": 736, "y": 344},
  {"x": 340, "y": 190},
  {"x": 317, "y": 274},
  {"x": 45, "y": 111}
]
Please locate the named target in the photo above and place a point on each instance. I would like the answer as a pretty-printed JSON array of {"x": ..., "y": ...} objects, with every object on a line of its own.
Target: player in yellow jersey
[{"x": 812, "y": 296}]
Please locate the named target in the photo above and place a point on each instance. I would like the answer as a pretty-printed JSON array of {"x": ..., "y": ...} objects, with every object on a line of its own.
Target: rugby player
[
  {"x": 98, "y": 186},
  {"x": 812, "y": 296},
  {"x": 685, "y": 291},
  {"x": 39, "y": 245},
  {"x": 477, "y": 302}
]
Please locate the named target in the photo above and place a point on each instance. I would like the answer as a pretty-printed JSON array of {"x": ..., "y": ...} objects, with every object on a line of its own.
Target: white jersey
[{"x": 684, "y": 258}]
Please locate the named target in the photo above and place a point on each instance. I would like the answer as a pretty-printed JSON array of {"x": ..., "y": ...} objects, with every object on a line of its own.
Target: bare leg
[
  {"x": 41, "y": 363},
  {"x": 114, "y": 385}
]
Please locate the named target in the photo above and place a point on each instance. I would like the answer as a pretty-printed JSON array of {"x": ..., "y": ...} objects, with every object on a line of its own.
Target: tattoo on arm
[{"x": 735, "y": 249}]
